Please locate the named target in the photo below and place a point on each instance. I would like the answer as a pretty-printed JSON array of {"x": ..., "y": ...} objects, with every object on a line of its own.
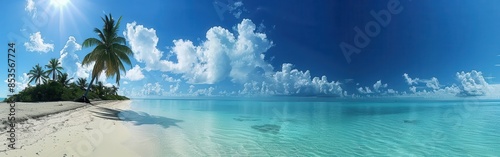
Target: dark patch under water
[
  {"x": 246, "y": 118},
  {"x": 267, "y": 128},
  {"x": 410, "y": 121}
]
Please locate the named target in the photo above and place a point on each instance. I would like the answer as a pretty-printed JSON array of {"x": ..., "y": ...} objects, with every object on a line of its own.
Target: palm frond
[{"x": 91, "y": 42}]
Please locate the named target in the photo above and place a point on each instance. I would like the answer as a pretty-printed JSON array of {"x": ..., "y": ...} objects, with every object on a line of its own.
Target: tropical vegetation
[
  {"x": 109, "y": 53},
  {"x": 61, "y": 87}
]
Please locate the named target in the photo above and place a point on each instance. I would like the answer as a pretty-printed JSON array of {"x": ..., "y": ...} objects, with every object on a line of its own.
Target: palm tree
[
  {"x": 107, "y": 90},
  {"x": 114, "y": 90},
  {"x": 109, "y": 53},
  {"x": 37, "y": 74},
  {"x": 99, "y": 89},
  {"x": 54, "y": 68},
  {"x": 63, "y": 79},
  {"x": 82, "y": 83}
]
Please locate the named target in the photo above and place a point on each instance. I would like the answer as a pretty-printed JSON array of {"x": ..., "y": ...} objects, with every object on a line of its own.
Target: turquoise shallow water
[{"x": 317, "y": 127}]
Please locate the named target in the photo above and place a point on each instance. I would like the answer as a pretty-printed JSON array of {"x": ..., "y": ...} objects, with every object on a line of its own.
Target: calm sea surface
[{"x": 316, "y": 127}]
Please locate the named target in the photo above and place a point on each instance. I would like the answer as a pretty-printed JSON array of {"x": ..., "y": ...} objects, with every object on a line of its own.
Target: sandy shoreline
[
  {"x": 68, "y": 129},
  {"x": 24, "y": 111}
]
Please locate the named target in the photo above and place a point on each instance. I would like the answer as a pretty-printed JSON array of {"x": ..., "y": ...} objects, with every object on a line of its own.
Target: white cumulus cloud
[
  {"x": 143, "y": 42},
  {"x": 152, "y": 89},
  {"x": 204, "y": 92},
  {"x": 291, "y": 81},
  {"x": 68, "y": 57},
  {"x": 365, "y": 90},
  {"x": 237, "y": 9},
  {"x": 70, "y": 60},
  {"x": 409, "y": 80},
  {"x": 432, "y": 83},
  {"x": 21, "y": 82},
  {"x": 378, "y": 85},
  {"x": 392, "y": 91},
  {"x": 238, "y": 57},
  {"x": 169, "y": 78},
  {"x": 413, "y": 89},
  {"x": 83, "y": 71},
  {"x": 470, "y": 84},
  {"x": 174, "y": 89},
  {"x": 37, "y": 44},
  {"x": 220, "y": 56},
  {"x": 134, "y": 74},
  {"x": 30, "y": 7},
  {"x": 450, "y": 90},
  {"x": 473, "y": 83},
  {"x": 377, "y": 89}
]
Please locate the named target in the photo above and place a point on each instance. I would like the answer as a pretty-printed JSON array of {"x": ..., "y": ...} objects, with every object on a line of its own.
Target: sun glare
[{"x": 59, "y": 3}]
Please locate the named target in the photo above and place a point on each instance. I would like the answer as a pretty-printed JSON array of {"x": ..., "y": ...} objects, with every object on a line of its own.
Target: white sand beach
[{"x": 67, "y": 129}]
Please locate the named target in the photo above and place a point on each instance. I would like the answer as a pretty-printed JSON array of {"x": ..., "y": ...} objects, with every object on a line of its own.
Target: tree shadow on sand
[{"x": 137, "y": 118}]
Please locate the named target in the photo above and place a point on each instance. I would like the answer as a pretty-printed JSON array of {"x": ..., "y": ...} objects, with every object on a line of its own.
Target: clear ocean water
[{"x": 316, "y": 127}]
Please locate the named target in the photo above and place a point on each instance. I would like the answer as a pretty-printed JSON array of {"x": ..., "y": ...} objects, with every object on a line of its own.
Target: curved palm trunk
[{"x": 87, "y": 91}]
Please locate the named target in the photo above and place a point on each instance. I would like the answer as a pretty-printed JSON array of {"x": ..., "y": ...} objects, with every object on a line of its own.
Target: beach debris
[{"x": 267, "y": 128}]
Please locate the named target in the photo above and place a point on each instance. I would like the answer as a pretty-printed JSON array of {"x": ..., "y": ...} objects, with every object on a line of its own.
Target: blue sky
[{"x": 261, "y": 47}]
